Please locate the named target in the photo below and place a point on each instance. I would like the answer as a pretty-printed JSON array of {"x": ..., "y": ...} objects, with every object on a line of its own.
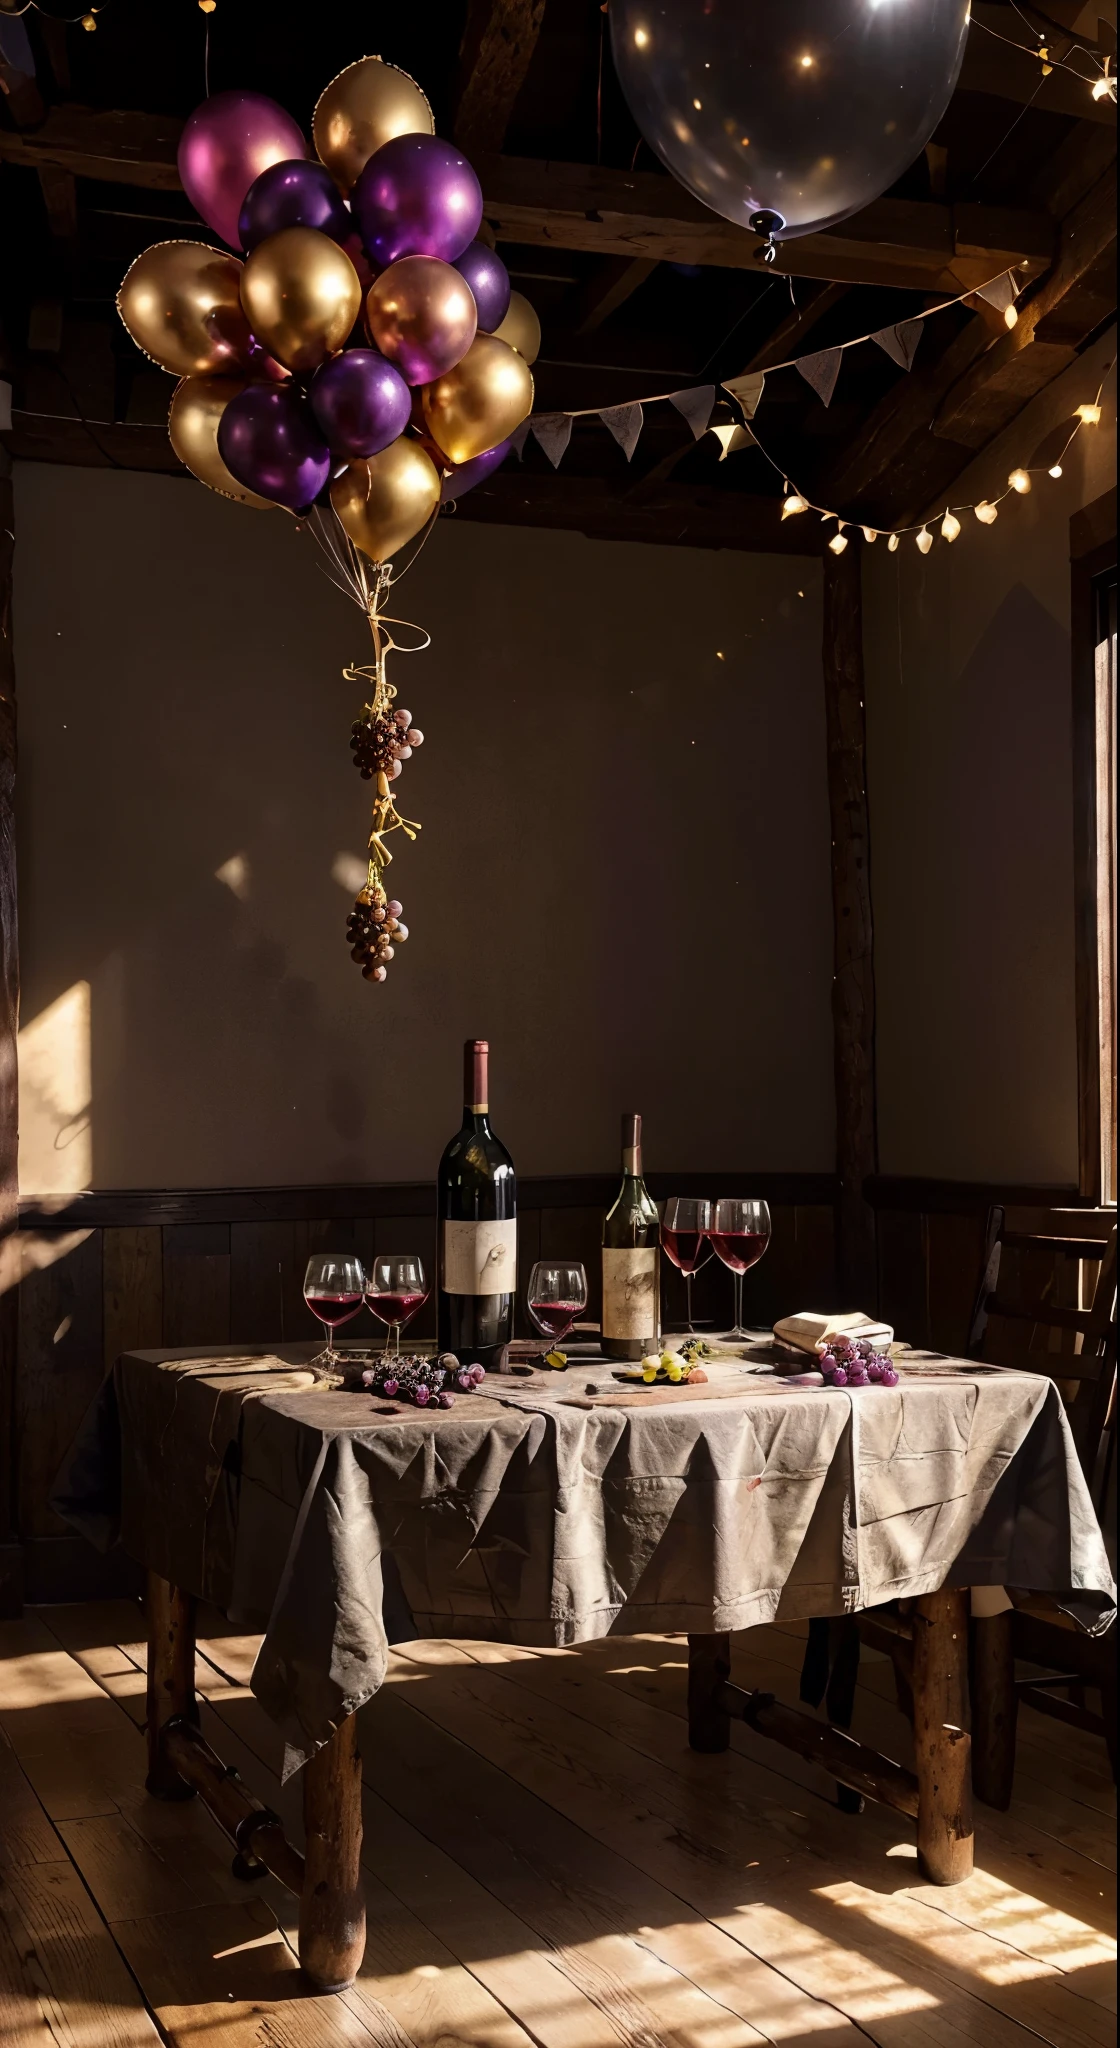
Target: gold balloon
[
  {"x": 181, "y": 303},
  {"x": 367, "y": 104},
  {"x": 521, "y": 329},
  {"x": 192, "y": 423},
  {"x": 382, "y": 503},
  {"x": 480, "y": 401},
  {"x": 421, "y": 314},
  {"x": 302, "y": 295}
]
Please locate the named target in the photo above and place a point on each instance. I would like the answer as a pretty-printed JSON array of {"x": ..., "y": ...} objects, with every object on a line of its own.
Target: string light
[
  {"x": 892, "y": 544},
  {"x": 793, "y": 504},
  {"x": 870, "y": 533},
  {"x": 1019, "y": 480},
  {"x": 950, "y": 526},
  {"x": 925, "y": 541},
  {"x": 838, "y": 543},
  {"x": 986, "y": 512},
  {"x": 1089, "y": 415},
  {"x": 1010, "y": 313},
  {"x": 1055, "y": 469}
]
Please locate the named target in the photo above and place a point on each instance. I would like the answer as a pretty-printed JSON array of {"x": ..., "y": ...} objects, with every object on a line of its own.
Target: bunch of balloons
[{"x": 363, "y": 347}]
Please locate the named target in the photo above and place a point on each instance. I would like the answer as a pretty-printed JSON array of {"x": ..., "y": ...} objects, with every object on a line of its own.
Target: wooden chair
[{"x": 1032, "y": 1313}]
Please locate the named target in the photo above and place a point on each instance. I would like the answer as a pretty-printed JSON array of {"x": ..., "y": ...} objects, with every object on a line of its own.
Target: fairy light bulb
[
  {"x": 793, "y": 504},
  {"x": 950, "y": 526},
  {"x": 1010, "y": 316},
  {"x": 1089, "y": 415},
  {"x": 870, "y": 534},
  {"x": 986, "y": 513},
  {"x": 1019, "y": 481},
  {"x": 89, "y": 23},
  {"x": 838, "y": 543},
  {"x": 892, "y": 544},
  {"x": 208, "y": 6},
  {"x": 1055, "y": 469},
  {"x": 925, "y": 541}
]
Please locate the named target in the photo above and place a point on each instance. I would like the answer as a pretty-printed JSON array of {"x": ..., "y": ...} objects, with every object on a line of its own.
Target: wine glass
[
  {"x": 395, "y": 1289},
  {"x": 739, "y": 1234},
  {"x": 334, "y": 1289},
  {"x": 556, "y": 1294},
  {"x": 684, "y": 1227}
]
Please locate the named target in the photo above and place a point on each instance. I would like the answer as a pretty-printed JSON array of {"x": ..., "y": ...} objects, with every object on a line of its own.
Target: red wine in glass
[
  {"x": 740, "y": 1233},
  {"x": 555, "y": 1318},
  {"x": 396, "y": 1308},
  {"x": 396, "y": 1288},
  {"x": 334, "y": 1309},
  {"x": 739, "y": 1249},
  {"x": 684, "y": 1227},
  {"x": 684, "y": 1247}
]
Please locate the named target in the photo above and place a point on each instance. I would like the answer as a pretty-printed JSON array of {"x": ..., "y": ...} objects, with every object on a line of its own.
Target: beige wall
[
  {"x": 968, "y": 706},
  {"x": 622, "y": 878}
]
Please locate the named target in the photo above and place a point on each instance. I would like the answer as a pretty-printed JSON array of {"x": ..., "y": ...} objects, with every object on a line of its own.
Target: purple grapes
[
  {"x": 854, "y": 1362},
  {"x": 426, "y": 1382}
]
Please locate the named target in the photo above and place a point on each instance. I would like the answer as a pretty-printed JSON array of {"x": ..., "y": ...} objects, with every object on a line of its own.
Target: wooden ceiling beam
[
  {"x": 912, "y": 244},
  {"x": 991, "y": 66},
  {"x": 499, "y": 39},
  {"x": 616, "y": 279}
]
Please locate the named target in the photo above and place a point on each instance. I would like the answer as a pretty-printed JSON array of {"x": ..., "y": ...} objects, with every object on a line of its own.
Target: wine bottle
[
  {"x": 477, "y": 1211},
  {"x": 631, "y": 1289}
]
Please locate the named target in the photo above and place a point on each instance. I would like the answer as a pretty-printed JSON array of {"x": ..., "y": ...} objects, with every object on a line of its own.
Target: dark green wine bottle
[
  {"x": 476, "y": 1197},
  {"x": 631, "y": 1259}
]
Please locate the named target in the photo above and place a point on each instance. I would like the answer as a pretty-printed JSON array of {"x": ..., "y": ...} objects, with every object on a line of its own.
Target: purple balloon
[
  {"x": 361, "y": 403},
  {"x": 268, "y": 440},
  {"x": 296, "y": 194},
  {"x": 489, "y": 281},
  {"x": 417, "y": 196},
  {"x": 468, "y": 474},
  {"x": 226, "y": 144}
]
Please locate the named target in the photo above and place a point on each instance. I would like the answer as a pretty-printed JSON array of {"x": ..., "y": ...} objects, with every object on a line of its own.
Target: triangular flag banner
[
  {"x": 901, "y": 341},
  {"x": 747, "y": 390},
  {"x": 554, "y": 431},
  {"x": 519, "y": 437},
  {"x": 731, "y": 439},
  {"x": 1001, "y": 293},
  {"x": 625, "y": 423},
  {"x": 695, "y": 406},
  {"x": 821, "y": 371}
]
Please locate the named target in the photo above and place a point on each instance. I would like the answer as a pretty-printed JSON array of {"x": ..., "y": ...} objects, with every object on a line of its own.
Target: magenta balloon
[
  {"x": 468, "y": 474},
  {"x": 360, "y": 402},
  {"x": 417, "y": 196},
  {"x": 489, "y": 281},
  {"x": 269, "y": 440},
  {"x": 226, "y": 144},
  {"x": 296, "y": 194}
]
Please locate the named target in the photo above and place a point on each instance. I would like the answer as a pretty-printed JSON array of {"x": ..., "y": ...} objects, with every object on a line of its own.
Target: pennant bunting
[
  {"x": 821, "y": 371},
  {"x": 519, "y": 437},
  {"x": 731, "y": 439},
  {"x": 554, "y": 431},
  {"x": 1001, "y": 293},
  {"x": 901, "y": 341},
  {"x": 747, "y": 390},
  {"x": 625, "y": 423},
  {"x": 695, "y": 406}
]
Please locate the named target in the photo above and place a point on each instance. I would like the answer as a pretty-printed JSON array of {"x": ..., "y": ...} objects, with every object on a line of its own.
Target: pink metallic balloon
[
  {"x": 226, "y": 144},
  {"x": 421, "y": 315}
]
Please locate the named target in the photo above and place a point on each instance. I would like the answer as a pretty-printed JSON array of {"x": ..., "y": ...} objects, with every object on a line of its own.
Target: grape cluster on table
[
  {"x": 426, "y": 1382},
  {"x": 853, "y": 1362},
  {"x": 374, "y": 930},
  {"x": 383, "y": 742}
]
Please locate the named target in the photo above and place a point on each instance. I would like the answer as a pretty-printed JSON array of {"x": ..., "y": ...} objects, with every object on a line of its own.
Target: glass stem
[
  {"x": 688, "y": 1301},
  {"x": 738, "y": 1330}
]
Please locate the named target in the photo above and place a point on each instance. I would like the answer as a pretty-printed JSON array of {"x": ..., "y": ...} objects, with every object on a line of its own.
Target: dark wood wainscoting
[{"x": 109, "y": 1272}]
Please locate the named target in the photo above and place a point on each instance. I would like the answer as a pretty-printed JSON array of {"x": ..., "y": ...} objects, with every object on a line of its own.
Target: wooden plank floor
[{"x": 546, "y": 1863}]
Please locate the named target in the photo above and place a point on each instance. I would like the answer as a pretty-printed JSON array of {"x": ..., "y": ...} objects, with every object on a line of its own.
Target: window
[{"x": 1093, "y": 549}]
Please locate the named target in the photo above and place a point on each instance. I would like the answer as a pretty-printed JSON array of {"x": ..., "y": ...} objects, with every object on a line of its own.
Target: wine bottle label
[
  {"x": 479, "y": 1258},
  {"x": 630, "y": 1291}
]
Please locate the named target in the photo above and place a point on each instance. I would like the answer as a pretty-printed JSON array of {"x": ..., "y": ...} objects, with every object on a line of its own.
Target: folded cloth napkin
[{"x": 807, "y": 1330}]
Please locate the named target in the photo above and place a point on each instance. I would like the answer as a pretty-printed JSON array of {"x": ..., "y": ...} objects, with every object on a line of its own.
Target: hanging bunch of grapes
[
  {"x": 383, "y": 740},
  {"x": 374, "y": 930}
]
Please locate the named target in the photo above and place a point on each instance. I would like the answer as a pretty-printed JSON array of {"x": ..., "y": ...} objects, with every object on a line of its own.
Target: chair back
[{"x": 1047, "y": 1304}]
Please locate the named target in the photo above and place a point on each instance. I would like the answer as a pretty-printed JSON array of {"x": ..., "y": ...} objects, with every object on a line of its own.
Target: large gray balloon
[{"x": 787, "y": 115}]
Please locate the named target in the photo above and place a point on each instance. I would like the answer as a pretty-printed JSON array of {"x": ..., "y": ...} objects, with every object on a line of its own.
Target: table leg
[
  {"x": 942, "y": 1742},
  {"x": 170, "y": 1679},
  {"x": 709, "y": 1665},
  {"x": 994, "y": 1709},
  {"x": 332, "y": 1910}
]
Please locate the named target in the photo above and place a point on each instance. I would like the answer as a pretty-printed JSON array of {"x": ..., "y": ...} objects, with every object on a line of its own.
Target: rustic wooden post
[
  {"x": 170, "y": 1679},
  {"x": 709, "y": 1665},
  {"x": 994, "y": 1709},
  {"x": 853, "y": 982},
  {"x": 332, "y": 1907},
  {"x": 942, "y": 1742},
  {"x": 11, "y": 1575}
]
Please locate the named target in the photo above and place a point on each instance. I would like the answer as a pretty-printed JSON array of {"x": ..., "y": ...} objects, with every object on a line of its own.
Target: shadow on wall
[
  {"x": 973, "y": 883},
  {"x": 622, "y": 878}
]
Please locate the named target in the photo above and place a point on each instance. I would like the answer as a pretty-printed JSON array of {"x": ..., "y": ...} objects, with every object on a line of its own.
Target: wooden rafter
[
  {"x": 992, "y": 66},
  {"x": 637, "y": 214},
  {"x": 497, "y": 48}
]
